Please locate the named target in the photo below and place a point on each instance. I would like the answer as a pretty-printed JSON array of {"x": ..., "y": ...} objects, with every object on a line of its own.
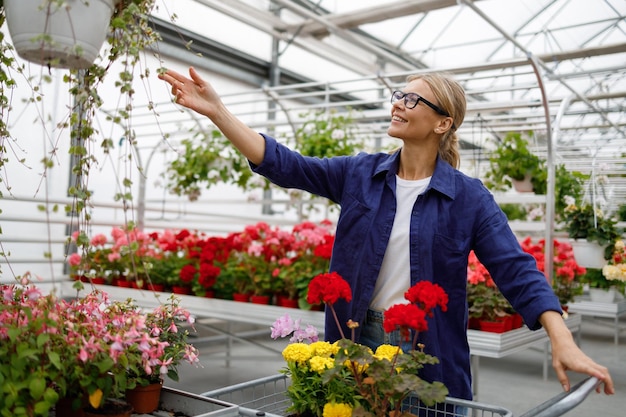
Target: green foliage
[
  {"x": 487, "y": 302},
  {"x": 567, "y": 184},
  {"x": 595, "y": 279},
  {"x": 514, "y": 211},
  {"x": 621, "y": 212},
  {"x": 29, "y": 368},
  {"x": 512, "y": 160},
  {"x": 585, "y": 222},
  {"x": 208, "y": 158},
  {"x": 326, "y": 134}
]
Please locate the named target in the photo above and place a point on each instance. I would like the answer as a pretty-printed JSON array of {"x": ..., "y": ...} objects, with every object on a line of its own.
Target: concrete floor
[{"x": 514, "y": 382}]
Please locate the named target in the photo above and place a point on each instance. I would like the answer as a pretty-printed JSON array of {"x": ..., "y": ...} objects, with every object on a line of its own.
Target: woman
[{"x": 409, "y": 216}]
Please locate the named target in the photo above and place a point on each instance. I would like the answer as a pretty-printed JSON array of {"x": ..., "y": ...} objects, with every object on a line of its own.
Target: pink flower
[
  {"x": 99, "y": 240},
  {"x": 74, "y": 259}
]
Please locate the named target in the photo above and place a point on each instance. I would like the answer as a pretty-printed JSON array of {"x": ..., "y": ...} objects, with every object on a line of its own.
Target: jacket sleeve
[
  {"x": 514, "y": 271},
  {"x": 289, "y": 169}
]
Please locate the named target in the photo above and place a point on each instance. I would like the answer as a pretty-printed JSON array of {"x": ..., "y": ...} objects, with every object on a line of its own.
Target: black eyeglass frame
[{"x": 398, "y": 95}]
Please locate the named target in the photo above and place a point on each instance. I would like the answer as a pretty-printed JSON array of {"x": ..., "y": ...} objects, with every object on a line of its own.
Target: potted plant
[
  {"x": 488, "y": 309},
  {"x": 89, "y": 348},
  {"x": 614, "y": 272},
  {"x": 205, "y": 160},
  {"x": 166, "y": 323},
  {"x": 567, "y": 275},
  {"x": 346, "y": 378},
  {"x": 592, "y": 233},
  {"x": 128, "y": 33},
  {"x": 64, "y": 34},
  {"x": 512, "y": 163}
]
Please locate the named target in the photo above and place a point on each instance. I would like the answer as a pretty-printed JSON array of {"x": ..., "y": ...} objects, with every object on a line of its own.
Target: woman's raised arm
[{"x": 198, "y": 95}]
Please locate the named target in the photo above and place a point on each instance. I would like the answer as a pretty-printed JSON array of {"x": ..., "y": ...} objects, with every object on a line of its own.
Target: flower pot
[
  {"x": 156, "y": 287},
  {"x": 601, "y": 295},
  {"x": 260, "y": 299},
  {"x": 287, "y": 302},
  {"x": 523, "y": 186},
  {"x": 588, "y": 254},
  {"x": 62, "y": 37},
  {"x": 181, "y": 290},
  {"x": 144, "y": 399},
  {"x": 516, "y": 321},
  {"x": 498, "y": 326},
  {"x": 123, "y": 283},
  {"x": 244, "y": 298},
  {"x": 473, "y": 323}
]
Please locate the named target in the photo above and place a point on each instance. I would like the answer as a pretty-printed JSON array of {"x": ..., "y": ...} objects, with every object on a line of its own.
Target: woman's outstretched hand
[
  {"x": 193, "y": 93},
  {"x": 198, "y": 95}
]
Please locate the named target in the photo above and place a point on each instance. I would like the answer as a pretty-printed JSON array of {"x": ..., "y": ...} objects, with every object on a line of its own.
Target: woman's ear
[{"x": 444, "y": 125}]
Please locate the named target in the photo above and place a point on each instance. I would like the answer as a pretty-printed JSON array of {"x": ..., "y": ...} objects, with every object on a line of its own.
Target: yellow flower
[
  {"x": 320, "y": 363},
  {"x": 297, "y": 352},
  {"x": 387, "y": 352},
  {"x": 324, "y": 348},
  {"x": 337, "y": 410},
  {"x": 359, "y": 368}
]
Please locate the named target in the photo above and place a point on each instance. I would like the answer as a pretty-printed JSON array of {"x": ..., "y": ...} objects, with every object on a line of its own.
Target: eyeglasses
[{"x": 412, "y": 99}]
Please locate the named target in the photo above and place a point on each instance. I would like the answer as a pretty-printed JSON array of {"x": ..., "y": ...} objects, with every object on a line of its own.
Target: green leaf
[{"x": 36, "y": 387}]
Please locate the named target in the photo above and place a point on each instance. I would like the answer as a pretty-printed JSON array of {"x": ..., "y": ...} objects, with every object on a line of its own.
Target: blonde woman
[{"x": 407, "y": 216}]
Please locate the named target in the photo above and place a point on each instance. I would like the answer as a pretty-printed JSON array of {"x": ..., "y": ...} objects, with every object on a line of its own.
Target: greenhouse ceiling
[
  {"x": 556, "y": 68},
  {"x": 503, "y": 51}
]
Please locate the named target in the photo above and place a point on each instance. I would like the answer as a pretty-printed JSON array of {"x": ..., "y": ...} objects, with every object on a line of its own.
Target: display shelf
[
  {"x": 587, "y": 308},
  {"x": 499, "y": 345},
  {"x": 487, "y": 344}
]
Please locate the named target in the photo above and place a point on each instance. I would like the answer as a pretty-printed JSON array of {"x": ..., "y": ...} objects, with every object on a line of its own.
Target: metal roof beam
[{"x": 374, "y": 14}]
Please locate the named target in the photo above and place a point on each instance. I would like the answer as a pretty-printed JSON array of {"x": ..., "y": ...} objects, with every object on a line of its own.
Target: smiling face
[{"x": 420, "y": 122}]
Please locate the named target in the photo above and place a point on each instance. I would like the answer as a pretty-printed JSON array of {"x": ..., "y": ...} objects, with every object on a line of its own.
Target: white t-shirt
[{"x": 395, "y": 273}]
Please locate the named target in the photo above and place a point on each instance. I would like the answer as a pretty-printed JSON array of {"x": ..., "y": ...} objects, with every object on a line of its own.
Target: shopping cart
[{"x": 268, "y": 396}]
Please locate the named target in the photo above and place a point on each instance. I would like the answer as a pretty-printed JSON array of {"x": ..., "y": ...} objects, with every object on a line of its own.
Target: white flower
[
  {"x": 569, "y": 200},
  {"x": 338, "y": 134}
]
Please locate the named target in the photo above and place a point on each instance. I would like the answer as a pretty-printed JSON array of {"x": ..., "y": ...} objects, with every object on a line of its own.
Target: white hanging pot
[
  {"x": 62, "y": 34},
  {"x": 523, "y": 186},
  {"x": 588, "y": 254}
]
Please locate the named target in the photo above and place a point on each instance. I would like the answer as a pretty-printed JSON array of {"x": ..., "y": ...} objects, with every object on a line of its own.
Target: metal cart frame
[{"x": 268, "y": 396}]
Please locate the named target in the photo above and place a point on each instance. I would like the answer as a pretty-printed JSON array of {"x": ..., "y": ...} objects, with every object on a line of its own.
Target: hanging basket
[
  {"x": 588, "y": 254},
  {"x": 70, "y": 36},
  {"x": 523, "y": 186}
]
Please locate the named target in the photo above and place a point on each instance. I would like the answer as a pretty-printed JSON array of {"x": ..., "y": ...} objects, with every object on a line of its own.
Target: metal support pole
[{"x": 550, "y": 189}]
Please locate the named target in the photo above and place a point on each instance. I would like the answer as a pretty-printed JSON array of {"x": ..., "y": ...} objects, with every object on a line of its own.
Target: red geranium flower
[
  {"x": 405, "y": 317},
  {"x": 187, "y": 273},
  {"x": 328, "y": 288},
  {"x": 427, "y": 296}
]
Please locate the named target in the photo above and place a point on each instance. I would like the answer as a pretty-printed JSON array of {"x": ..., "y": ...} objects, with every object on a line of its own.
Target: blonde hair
[{"x": 451, "y": 98}]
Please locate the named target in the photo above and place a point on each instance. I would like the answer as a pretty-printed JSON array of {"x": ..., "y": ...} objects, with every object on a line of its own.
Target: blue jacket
[{"x": 456, "y": 214}]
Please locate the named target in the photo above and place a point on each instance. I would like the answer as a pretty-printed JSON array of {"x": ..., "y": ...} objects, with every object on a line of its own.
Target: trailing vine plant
[{"x": 130, "y": 37}]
